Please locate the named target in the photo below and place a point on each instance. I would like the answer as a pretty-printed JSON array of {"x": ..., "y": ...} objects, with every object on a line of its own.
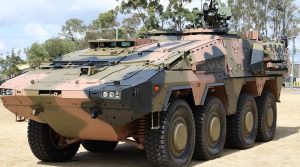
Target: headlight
[
  {"x": 111, "y": 94},
  {"x": 105, "y": 94},
  {"x": 117, "y": 94},
  {"x": 6, "y": 92}
]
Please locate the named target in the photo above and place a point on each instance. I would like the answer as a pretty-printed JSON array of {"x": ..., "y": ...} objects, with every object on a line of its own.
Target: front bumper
[{"x": 68, "y": 117}]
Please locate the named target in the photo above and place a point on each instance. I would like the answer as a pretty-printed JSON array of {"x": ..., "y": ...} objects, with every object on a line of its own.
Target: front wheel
[
  {"x": 173, "y": 144},
  {"x": 47, "y": 145}
]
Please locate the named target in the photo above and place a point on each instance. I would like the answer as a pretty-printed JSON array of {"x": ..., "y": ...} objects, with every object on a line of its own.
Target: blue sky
[{"x": 23, "y": 22}]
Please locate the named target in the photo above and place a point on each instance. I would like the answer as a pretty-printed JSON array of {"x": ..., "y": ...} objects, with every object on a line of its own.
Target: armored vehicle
[{"x": 178, "y": 97}]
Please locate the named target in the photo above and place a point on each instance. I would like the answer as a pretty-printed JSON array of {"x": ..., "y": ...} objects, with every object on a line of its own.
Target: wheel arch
[
  {"x": 186, "y": 93},
  {"x": 219, "y": 92},
  {"x": 259, "y": 84},
  {"x": 179, "y": 92},
  {"x": 251, "y": 85},
  {"x": 274, "y": 86}
]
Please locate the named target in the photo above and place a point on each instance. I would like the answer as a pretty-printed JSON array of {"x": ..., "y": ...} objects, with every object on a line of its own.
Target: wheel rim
[
  {"x": 57, "y": 140},
  {"x": 249, "y": 121},
  {"x": 180, "y": 136},
  {"x": 214, "y": 128},
  {"x": 269, "y": 117}
]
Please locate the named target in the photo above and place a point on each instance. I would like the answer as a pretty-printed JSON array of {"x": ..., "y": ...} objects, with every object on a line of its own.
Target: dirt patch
[{"x": 284, "y": 150}]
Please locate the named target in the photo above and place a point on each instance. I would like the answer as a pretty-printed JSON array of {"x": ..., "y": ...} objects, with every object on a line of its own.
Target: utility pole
[
  {"x": 117, "y": 33},
  {"x": 201, "y": 5},
  {"x": 293, "y": 59}
]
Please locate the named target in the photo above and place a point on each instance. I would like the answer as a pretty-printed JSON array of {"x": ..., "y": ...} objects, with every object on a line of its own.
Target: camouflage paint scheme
[
  {"x": 195, "y": 64},
  {"x": 198, "y": 62}
]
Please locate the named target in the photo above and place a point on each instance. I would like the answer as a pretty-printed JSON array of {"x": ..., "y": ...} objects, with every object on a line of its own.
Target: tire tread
[
  {"x": 261, "y": 101},
  {"x": 38, "y": 138},
  {"x": 234, "y": 124},
  {"x": 155, "y": 143},
  {"x": 200, "y": 152}
]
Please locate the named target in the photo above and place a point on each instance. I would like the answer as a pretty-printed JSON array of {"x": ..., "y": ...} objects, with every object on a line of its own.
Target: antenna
[{"x": 201, "y": 4}]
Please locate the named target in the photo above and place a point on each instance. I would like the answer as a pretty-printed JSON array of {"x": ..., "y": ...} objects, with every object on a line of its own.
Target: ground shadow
[
  {"x": 123, "y": 156},
  {"x": 128, "y": 156},
  {"x": 283, "y": 132}
]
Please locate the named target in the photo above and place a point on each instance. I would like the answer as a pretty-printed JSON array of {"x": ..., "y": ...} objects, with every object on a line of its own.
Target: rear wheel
[
  {"x": 47, "y": 145},
  {"x": 242, "y": 126},
  {"x": 267, "y": 116},
  {"x": 99, "y": 146},
  {"x": 210, "y": 123},
  {"x": 173, "y": 144}
]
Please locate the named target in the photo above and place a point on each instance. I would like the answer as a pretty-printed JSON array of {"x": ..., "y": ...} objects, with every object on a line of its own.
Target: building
[{"x": 296, "y": 73}]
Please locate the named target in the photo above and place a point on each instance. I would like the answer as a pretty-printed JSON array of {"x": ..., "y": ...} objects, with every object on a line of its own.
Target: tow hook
[
  {"x": 36, "y": 110},
  {"x": 94, "y": 115},
  {"x": 20, "y": 118},
  {"x": 95, "y": 112}
]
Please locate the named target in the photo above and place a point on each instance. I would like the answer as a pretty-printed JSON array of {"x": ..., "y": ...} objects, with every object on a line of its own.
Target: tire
[
  {"x": 163, "y": 147},
  {"x": 41, "y": 142},
  {"x": 210, "y": 142},
  {"x": 99, "y": 146},
  {"x": 239, "y": 135},
  {"x": 266, "y": 127}
]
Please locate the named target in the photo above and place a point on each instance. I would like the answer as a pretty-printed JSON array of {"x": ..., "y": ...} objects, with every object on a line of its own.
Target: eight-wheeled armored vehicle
[{"x": 179, "y": 96}]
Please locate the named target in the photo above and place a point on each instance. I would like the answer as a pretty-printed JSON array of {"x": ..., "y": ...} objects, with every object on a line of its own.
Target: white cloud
[
  {"x": 36, "y": 30},
  {"x": 2, "y": 46},
  {"x": 7, "y": 16},
  {"x": 79, "y": 5},
  {"x": 53, "y": 27},
  {"x": 16, "y": 10}
]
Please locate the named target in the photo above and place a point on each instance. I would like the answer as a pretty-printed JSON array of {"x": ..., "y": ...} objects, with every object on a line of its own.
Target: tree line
[{"x": 270, "y": 17}]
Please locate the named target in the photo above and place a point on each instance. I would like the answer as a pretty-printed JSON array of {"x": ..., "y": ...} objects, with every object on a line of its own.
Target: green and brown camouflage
[{"x": 106, "y": 91}]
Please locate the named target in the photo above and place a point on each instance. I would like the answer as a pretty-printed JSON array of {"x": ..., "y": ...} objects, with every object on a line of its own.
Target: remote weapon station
[{"x": 178, "y": 97}]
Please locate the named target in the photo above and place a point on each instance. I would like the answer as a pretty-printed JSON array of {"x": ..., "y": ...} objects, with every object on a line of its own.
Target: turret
[{"x": 213, "y": 15}]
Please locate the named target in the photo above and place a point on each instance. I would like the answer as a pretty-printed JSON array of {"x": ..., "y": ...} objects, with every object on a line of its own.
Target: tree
[
  {"x": 280, "y": 16},
  {"x": 131, "y": 25},
  {"x": 105, "y": 23},
  {"x": 2, "y": 61},
  {"x": 155, "y": 11},
  {"x": 74, "y": 29},
  {"x": 193, "y": 17},
  {"x": 105, "y": 20},
  {"x": 1, "y": 70},
  {"x": 148, "y": 10},
  {"x": 139, "y": 6},
  {"x": 177, "y": 14},
  {"x": 56, "y": 47},
  {"x": 10, "y": 64},
  {"x": 292, "y": 19},
  {"x": 92, "y": 35},
  {"x": 36, "y": 55}
]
